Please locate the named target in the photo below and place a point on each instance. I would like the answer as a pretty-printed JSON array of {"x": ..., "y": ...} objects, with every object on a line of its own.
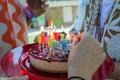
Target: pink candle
[{"x": 44, "y": 39}]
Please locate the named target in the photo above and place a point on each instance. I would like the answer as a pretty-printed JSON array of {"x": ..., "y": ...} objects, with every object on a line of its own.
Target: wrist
[
  {"x": 75, "y": 78},
  {"x": 72, "y": 72},
  {"x": 84, "y": 75}
]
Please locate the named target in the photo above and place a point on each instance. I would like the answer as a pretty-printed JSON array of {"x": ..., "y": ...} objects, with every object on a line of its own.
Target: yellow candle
[
  {"x": 50, "y": 42},
  {"x": 39, "y": 38}
]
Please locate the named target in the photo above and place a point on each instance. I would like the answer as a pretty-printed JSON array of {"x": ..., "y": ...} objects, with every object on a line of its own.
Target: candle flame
[
  {"x": 78, "y": 32},
  {"x": 68, "y": 36},
  {"x": 51, "y": 34},
  {"x": 42, "y": 29},
  {"x": 55, "y": 27},
  {"x": 62, "y": 28},
  {"x": 51, "y": 24}
]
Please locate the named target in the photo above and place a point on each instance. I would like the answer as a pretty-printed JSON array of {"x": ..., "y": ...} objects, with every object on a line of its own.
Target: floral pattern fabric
[{"x": 109, "y": 35}]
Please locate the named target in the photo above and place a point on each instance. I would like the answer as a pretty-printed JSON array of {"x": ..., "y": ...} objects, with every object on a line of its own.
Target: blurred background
[{"x": 59, "y": 13}]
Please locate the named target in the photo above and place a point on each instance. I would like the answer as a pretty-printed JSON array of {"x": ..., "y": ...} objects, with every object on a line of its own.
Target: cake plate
[{"x": 16, "y": 63}]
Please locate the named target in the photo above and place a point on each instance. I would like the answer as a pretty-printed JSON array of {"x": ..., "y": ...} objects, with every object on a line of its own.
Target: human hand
[
  {"x": 76, "y": 39},
  {"x": 85, "y": 57},
  {"x": 37, "y": 6}
]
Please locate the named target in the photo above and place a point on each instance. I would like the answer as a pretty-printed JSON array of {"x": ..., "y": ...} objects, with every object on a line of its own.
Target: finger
[
  {"x": 75, "y": 41},
  {"x": 80, "y": 36},
  {"x": 89, "y": 43}
]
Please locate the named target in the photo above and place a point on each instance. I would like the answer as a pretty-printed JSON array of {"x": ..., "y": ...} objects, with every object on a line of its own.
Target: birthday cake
[{"x": 50, "y": 55}]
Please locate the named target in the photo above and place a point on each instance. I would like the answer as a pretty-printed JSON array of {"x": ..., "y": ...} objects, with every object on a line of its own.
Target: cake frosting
[{"x": 48, "y": 60}]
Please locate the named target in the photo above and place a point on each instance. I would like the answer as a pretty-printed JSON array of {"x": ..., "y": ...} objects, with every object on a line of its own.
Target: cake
[
  {"x": 54, "y": 61},
  {"x": 50, "y": 57}
]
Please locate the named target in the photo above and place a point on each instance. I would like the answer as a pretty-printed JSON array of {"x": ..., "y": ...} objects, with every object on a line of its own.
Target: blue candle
[{"x": 63, "y": 43}]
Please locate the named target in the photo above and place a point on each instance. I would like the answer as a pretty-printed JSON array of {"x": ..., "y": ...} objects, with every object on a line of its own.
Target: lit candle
[
  {"x": 68, "y": 36},
  {"x": 56, "y": 36},
  {"x": 39, "y": 38},
  {"x": 62, "y": 28},
  {"x": 51, "y": 34},
  {"x": 51, "y": 24},
  {"x": 55, "y": 44},
  {"x": 69, "y": 40},
  {"x": 63, "y": 44},
  {"x": 55, "y": 28},
  {"x": 48, "y": 35},
  {"x": 39, "y": 41},
  {"x": 44, "y": 39},
  {"x": 50, "y": 41},
  {"x": 42, "y": 29},
  {"x": 78, "y": 32}
]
